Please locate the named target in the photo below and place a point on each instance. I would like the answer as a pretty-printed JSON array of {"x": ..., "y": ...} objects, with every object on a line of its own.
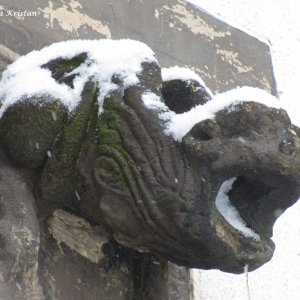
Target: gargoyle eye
[{"x": 287, "y": 146}]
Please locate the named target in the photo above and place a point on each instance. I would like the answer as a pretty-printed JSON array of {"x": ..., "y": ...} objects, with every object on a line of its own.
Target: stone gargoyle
[{"x": 98, "y": 133}]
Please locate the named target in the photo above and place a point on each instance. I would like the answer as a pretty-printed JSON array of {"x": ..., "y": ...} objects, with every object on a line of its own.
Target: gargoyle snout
[
  {"x": 257, "y": 149},
  {"x": 251, "y": 136}
]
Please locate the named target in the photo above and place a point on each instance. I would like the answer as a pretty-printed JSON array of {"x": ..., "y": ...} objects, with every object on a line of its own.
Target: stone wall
[{"x": 178, "y": 33}]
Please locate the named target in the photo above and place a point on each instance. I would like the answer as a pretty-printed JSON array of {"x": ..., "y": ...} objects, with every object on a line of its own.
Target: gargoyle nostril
[
  {"x": 204, "y": 131},
  {"x": 201, "y": 135}
]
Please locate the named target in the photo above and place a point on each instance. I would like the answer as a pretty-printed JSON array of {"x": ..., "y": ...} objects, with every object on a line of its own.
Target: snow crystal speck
[
  {"x": 77, "y": 195},
  {"x": 54, "y": 116}
]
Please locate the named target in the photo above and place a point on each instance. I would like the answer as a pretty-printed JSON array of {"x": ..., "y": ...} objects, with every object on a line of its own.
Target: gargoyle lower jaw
[
  {"x": 247, "y": 208},
  {"x": 240, "y": 250}
]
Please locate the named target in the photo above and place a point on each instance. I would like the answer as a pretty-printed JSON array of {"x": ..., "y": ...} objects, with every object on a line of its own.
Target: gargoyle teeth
[{"x": 230, "y": 212}]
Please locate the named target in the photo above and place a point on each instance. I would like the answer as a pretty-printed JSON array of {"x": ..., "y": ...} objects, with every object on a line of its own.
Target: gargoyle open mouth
[
  {"x": 250, "y": 205},
  {"x": 230, "y": 212}
]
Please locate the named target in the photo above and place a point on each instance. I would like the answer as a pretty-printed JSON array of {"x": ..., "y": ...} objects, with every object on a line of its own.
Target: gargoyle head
[
  {"x": 209, "y": 200},
  {"x": 247, "y": 163},
  {"x": 168, "y": 169}
]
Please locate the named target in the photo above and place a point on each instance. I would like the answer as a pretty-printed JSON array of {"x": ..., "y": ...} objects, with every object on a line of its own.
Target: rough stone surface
[
  {"x": 180, "y": 283},
  {"x": 6, "y": 57},
  {"x": 67, "y": 275},
  {"x": 33, "y": 146},
  {"x": 77, "y": 234},
  {"x": 19, "y": 236}
]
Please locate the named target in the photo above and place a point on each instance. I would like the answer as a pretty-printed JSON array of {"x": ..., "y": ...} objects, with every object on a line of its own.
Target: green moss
[
  {"x": 108, "y": 136},
  {"x": 75, "y": 130},
  {"x": 61, "y": 177},
  {"x": 109, "y": 170},
  {"x": 114, "y": 163},
  {"x": 109, "y": 121},
  {"x": 28, "y": 129}
]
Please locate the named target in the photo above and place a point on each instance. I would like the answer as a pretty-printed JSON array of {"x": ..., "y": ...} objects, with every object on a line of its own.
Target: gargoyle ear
[{"x": 182, "y": 89}]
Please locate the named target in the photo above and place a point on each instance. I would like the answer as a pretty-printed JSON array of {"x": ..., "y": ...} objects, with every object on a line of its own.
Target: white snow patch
[
  {"x": 184, "y": 74},
  {"x": 154, "y": 102},
  {"x": 230, "y": 213},
  {"x": 181, "y": 124},
  {"x": 105, "y": 58}
]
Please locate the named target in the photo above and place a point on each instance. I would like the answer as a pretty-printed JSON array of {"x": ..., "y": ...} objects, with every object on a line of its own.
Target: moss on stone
[
  {"x": 114, "y": 163},
  {"x": 61, "y": 178},
  {"x": 107, "y": 125},
  {"x": 29, "y": 128},
  {"x": 75, "y": 130}
]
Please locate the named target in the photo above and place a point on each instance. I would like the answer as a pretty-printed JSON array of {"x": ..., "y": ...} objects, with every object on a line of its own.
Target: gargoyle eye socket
[{"x": 287, "y": 146}]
